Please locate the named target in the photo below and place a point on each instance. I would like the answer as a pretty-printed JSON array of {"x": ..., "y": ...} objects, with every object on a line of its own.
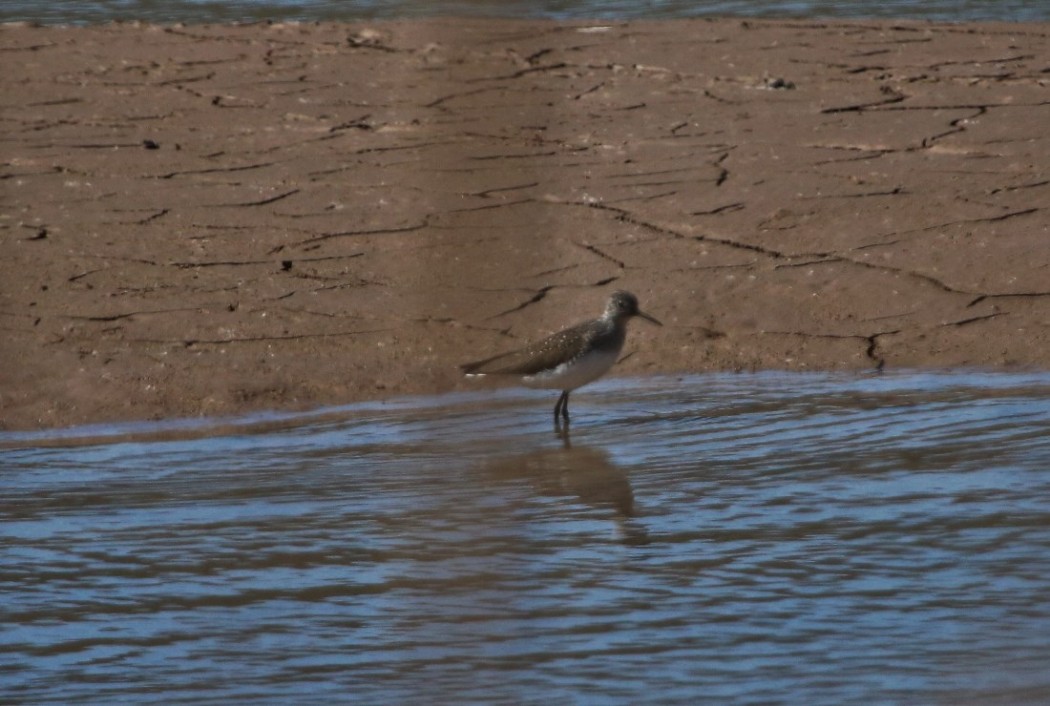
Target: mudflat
[{"x": 204, "y": 220}]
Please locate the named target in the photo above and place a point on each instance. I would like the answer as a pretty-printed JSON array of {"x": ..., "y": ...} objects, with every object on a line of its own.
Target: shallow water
[
  {"x": 197, "y": 11},
  {"x": 744, "y": 539}
]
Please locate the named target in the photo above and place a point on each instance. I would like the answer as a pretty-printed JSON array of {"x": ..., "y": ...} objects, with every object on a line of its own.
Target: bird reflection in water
[{"x": 586, "y": 473}]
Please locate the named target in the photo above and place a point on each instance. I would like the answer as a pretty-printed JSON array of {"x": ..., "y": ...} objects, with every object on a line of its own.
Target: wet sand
[{"x": 203, "y": 220}]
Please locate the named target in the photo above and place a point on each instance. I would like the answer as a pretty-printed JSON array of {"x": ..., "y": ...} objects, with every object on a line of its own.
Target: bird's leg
[{"x": 561, "y": 406}]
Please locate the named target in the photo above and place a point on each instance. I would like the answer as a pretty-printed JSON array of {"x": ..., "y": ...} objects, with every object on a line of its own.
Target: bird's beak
[{"x": 649, "y": 318}]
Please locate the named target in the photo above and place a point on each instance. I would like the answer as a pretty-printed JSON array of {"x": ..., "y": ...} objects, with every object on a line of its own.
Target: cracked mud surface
[{"x": 214, "y": 219}]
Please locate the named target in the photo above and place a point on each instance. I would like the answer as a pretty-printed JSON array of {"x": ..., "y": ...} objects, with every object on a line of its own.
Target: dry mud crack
[{"x": 204, "y": 220}]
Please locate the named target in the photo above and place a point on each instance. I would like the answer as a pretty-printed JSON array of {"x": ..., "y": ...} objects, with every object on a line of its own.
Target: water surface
[
  {"x": 197, "y": 11},
  {"x": 739, "y": 539}
]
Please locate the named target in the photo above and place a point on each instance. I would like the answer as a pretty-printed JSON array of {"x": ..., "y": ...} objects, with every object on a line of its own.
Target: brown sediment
[{"x": 215, "y": 219}]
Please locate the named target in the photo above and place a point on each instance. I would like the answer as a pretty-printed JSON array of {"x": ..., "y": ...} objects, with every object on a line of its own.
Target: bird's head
[{"x": 623, "y": 305}]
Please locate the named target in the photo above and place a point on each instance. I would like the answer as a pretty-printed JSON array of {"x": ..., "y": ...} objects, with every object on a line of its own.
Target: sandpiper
[{"x": 569, "y": 358}]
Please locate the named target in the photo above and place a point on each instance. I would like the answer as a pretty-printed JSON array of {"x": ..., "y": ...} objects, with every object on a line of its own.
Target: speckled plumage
[
  {"x": 557, "y": 349},
  {"x": 569, "y": 358}
]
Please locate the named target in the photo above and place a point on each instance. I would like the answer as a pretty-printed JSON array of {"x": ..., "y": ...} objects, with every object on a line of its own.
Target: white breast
[{"x": 569, "y": 376}]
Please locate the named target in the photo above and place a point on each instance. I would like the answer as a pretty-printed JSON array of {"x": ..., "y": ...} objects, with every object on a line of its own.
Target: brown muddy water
[{"x": 732, "y": 539}]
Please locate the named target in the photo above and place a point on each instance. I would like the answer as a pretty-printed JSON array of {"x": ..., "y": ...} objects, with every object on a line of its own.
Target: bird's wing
[{"x": 539, "y": 356}]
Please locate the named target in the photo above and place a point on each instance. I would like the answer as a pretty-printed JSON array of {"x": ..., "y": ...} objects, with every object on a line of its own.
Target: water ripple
[{"x": 818, "y": 539}]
